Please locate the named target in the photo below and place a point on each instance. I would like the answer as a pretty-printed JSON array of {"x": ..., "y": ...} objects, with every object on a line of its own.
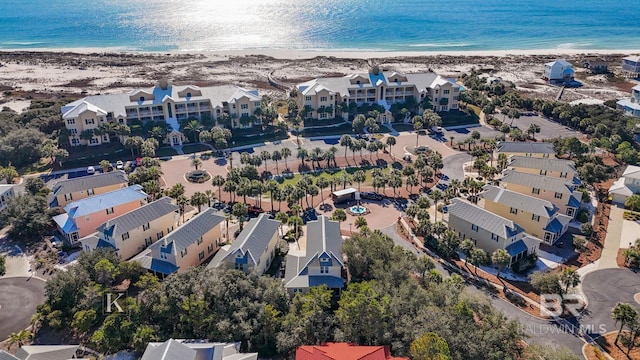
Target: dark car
[
  {"x": 254, "y": 210},
  {"x": 371, "y": 196}
]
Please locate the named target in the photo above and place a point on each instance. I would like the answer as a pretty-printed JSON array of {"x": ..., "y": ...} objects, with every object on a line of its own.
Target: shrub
[{"x": 583, "y": 216}]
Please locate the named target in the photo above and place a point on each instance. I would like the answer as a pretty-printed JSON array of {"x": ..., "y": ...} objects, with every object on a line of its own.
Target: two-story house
[
  {"x": 537, "y": 217},
  {"x": 558, "y": 168},
  {"x": 321, "y": 263},
  {"x": 254, "y": 248},
  {"x": 82, "y": 187},
  {"x": 82, "y": 217},
  {"x": 162, "y": 103},
  {"x": 322, "y": 95},
  {"x": 181, "y": 349},
  {"x": 44, "y": 352},
  {"x": 556, "y": 190},
  {"x": 130, "y": 233},
  {"x": 489, "y": 231},
  {"x": 631, "y": 66},
  {"x": 6, "y": 193},
  {"x": 631, "y": 106},
  {"x": 558, "y": 71},
  {"x": 530, "y": 149},
  {"x": 627, "y": 185},
  {"x": 190, "y": 244}
]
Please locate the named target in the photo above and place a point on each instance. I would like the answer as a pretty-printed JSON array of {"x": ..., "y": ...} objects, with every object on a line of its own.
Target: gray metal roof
[
  {"x": 484, "y": 219},
  {"x": 168, "y": 350},
  {"x": 138, "y": 217},
  {"x": 253, "y": 239},
  {"x": 519, "y": 201},
  {"x": 538, "y": 181},
  {"x": 189, "y": 232},
  {"x": 6, "y": 356},
  {"x": 47, "y": 352},
  {"x": 530, "y": 162},
  {"x": 525, "y": 147},
  {"x": 323, "y": 235},
  {"x": 90, "y": 182}
]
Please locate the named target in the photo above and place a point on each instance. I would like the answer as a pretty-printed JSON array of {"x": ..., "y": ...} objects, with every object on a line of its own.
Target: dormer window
[
  {"x": 141, "y": 99},
  {"x": 324, "y": 260},
  {"x": 239, "y": 256},
  {"x": 188, "y": 94},
  {"x": 358, "y": 82}
]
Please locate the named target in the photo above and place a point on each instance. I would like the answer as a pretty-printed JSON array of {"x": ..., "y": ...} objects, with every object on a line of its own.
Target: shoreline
[{"x": 294, "y": 54}]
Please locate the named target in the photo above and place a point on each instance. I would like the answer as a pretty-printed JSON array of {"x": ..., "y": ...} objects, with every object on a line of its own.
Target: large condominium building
[
  {"x": 165, "y": 103},
  {"x": 322, "y": 95}
]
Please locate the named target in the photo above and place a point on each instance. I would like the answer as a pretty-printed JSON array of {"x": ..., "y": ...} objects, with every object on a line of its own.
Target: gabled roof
[
  {"x": 549, "y": 164},
  {"x": 168, "y": 350},
  {"x": 547, "y": 183},
  {"x": 561, "y": 62},
  {"x": 138, "y": 217},
  {"x": 104, "y": 201},
  {"x": 5, "y": 187},
  {"x": 253, "y": 240},
  {"x": 47, "y": 352},
  {"x": 90, "y": 182},
  {"x": 525, "y": 147},
  {"x": 343, "y": 351},
  {"x": 6, "y": 356},
  {"x": 516, "y": 248},
  {"x": 484, "y": 219},
  {"x": 633, "y": 58},
  {"x": 620, "y": 188},
  {"x": 181, "y": 349},
  {"x": 82, "y": 107},
  {"x": 632, "y": 172},
  {"x": 519, "y": 201},
  {"x": 189, "y": 232}
]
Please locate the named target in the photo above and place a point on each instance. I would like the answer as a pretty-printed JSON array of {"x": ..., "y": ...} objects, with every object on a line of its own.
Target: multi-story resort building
[
  {"x": 163, "y": 103},
  {"x": 537, "y": 217},
  {"x": 321, "y": 96},
  {"x": 83, "y": 187},
  {"x": 489, "y": 231},
  {"x": 631, "y": 106},
  {"x": 254, "y": 248},
  {"x": 82, "y": 217},
  {"x": 190, "y": 244},
  {"x": 132, "y": 232}
]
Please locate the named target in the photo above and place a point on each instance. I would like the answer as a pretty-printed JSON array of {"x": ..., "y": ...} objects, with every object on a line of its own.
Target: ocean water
[{"x": 383, "y": 25}]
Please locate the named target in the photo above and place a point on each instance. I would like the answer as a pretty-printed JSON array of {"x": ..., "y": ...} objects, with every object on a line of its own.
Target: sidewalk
[{"x": 612, "y": 240}]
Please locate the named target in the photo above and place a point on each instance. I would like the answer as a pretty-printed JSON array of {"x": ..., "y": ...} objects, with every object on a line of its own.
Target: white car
[
  {"x": 119, "y": 165},
  {"x": 91, "y": 170}
]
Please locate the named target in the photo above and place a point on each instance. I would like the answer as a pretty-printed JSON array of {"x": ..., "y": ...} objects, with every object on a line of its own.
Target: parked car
[
  {"x": 254, "y": 210},
  {"x": 91, "y": 170},
  {"x": 119, "y": 165},
  {"x": 371, "y": 195}
]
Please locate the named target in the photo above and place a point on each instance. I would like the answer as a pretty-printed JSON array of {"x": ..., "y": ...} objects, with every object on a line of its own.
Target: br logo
[{"x": 551, "y": 304}]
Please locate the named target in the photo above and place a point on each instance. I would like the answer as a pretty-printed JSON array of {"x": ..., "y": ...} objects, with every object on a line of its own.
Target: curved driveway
[{"x": 19, "y": 298}]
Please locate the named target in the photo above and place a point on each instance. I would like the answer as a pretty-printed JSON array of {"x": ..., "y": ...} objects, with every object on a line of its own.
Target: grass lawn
[
  {"x": 322, "y": 122},
  {"x": 458, "y": 118},
  {"x": 476, "y": 110},
  {"x": 193, "y": 148},
  {"x": 382, "y": 130},
  {"x": 403, "y": 127},
  {"x": 247, "y": 140},
  {"x": 336, "y": 130},
  {"x": 166, "y": 151}
]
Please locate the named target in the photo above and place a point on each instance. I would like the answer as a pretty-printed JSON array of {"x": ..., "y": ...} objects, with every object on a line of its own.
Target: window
[
  {"x": 474, "y": 227},
  {"x": 445, "y": 107},
  {"x": 324, "y": 260},
  {"x": 183, "y": 253},
  {"x": 71, "y": 121},
  {"x": 445, "y": 92},
  {"x": 323, "y": 98},
  {"x": 200, "y": 240},
  {"x": 188, "y": 94},
  {"x": 68, "y": 197},
  {"x": 141, "y": 99},
  {"x": 93, "y": 141},
  {"x": 145, "y": 227},
  {"x": 239, "y": 266},
  {"x": 90, "y": 192},
  {"x": 125, "y": 236},
  {"x": 244, "y": 106},
  {"x": 563, "y": 175},
  {"x": 324, "y": 269},
  {"x": 201, "y": 256},
  {"x": 570, "y": 211},
  {"x": 89, "y": 121},
  {"x": 256, "y": 104},
  {"x": 494, "y": 237},
  {"x": 558, "y": 195},
  {"x": 245, "y": 114},
  {"x": 307, "y": 98},
  {"x": 110, "y": 211},
  {"x": 513, "y": 211},
  {"x": 543, "y": 172},
  {"x": 163, "y": 256},
  {"x": 169, "y": 229},
  {"x": 105, "y": 138},
  {"x": 73, "y": 131},
  {"x": 75, "y": 141},
  {"x": 148, "y": 241},
  {"x": 210, "y": 248},
  {"x": 535, "y": 191},
  {"x": 323, "y": 115},
  {"x": 535, "y": 217},
  {"x": 160, "y": 234}
]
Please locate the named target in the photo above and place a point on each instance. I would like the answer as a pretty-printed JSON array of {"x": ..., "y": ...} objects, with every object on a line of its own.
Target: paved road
[
  {"x": 19, "y": 298},
  {"x": 453, "y": 165},
  {"x": 604, "y": 289}
]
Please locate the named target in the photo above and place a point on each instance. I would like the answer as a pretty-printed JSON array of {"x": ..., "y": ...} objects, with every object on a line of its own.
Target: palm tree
[
  {"x": 346, "y": 141},
  {"x": 302, "y": 154},
  {"x": 195, "y": 162},
  {"x": 19, "y": 338},
  {"x": 569, "y": 278},
  {"x": 210, "y": 196},
  {"x": 330, "y": 156},
  {"x": 625, "y": 314},
  {"x": 371, "y": 148},
  {"x": 218, "y": 181},
  {"x": 391, "y": 140},
  {"x": 265, "y": 155},
  {"x": 417, "y": 126},
  {"x": 436, "y": 195},
  {"x": 192, "y": 128},
  {"x": 322, "y": 183},
  {"x": 395, "y": 181},
  {"x": 359, "y": 177},
  {"x": 198, "y": 199},
  {"x": 283, "y": 218},
  {"x": 230, "y": 186},
  {"x": 478, "y": 257},
  {"x": 286, "y": 152},
  {"x": 500, "y": 258},
  {"x": 532, "y": 130},
  {"x": 276, "y": 156}
]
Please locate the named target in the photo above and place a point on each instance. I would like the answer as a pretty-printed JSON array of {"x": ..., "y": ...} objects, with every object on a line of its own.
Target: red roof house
[{"x": 344, "y": 351}]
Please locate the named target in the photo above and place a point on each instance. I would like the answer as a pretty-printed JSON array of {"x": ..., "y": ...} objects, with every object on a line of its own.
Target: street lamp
[{"x": 350, "y": 228}]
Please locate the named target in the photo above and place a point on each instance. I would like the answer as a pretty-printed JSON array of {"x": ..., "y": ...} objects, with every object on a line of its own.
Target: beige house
[
  {"x": 82, "y": 187},
  {"x": 558, "y": 168},
  {"x": 6, "y": 193},
  {"x": 130, "y": 233},
  {"x": 254, "y": 248},
  {"x": 322, "y": 95},
  {"x": 537, "y": 217},
  {"x": 558, "y": 191},
  {"x": 529, "y": 149},
  {"x": 626, "y": 185},
  {"x": 190, "y": 244},
  {"x": 82, "y": 217},
  {"x": 163, "y": 103},
  {"x": 321, "y": 263},
  {"x": 490, "y": 231}
]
